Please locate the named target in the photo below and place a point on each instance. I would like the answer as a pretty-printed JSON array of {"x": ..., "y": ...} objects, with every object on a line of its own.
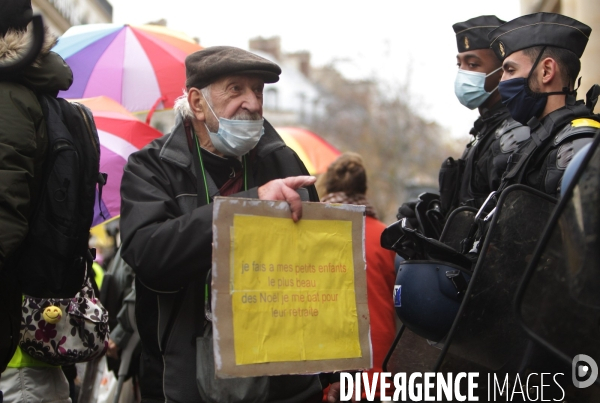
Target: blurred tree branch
[{"x": 401, "y": 150}]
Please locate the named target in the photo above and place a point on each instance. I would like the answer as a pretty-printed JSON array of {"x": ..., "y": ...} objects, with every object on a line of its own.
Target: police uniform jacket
[
  {"x": 540, "y": 161},
  {"x": 468, "y": 181}
]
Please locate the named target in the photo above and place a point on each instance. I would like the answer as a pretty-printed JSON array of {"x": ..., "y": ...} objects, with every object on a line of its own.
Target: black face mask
[{"x": 522, "y": 103}]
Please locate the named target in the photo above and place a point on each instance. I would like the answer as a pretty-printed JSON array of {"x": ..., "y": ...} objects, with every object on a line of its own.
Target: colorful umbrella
[
  {"x": 120, "y": 133},
  {"x": 316, "y": 153},
  {"x": 137, "y": 66}
]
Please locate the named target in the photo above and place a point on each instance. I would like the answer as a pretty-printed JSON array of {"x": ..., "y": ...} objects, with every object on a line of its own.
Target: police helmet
[{"x": 427, "y": 296}]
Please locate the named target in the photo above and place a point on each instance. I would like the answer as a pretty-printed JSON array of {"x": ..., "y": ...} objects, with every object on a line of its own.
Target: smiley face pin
[{"x": 52, "y": 314}]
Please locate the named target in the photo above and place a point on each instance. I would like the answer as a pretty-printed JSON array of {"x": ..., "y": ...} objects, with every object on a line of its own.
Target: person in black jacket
[
  {"x": 23, "y": 149},
  {"x": 468, "y": 180},
  {"x": 540, "y": 54},
  {"x": 220, "y": 145}
]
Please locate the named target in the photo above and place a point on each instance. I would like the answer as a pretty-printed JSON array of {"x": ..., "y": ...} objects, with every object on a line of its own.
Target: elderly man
[
  {"x": 540, "y": 54},
  {"x": 220, "y": 145}
]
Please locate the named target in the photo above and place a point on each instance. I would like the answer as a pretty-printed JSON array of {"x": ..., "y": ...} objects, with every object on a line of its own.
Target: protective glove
[{"x": 408, "y": 210}]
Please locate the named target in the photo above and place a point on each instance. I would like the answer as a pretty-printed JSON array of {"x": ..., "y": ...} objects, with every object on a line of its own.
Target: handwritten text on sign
[{"x": 292, "y": 288}]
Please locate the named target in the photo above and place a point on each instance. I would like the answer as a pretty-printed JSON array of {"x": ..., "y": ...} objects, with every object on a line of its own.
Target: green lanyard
[{"x": 204, "y": 175}]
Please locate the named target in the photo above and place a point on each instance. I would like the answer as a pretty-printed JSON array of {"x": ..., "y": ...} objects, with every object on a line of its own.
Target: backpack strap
[{"x": 88, "y": 118}]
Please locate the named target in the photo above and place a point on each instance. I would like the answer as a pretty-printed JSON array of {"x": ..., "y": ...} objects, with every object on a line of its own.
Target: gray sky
[{"x": 398, "y": 41}]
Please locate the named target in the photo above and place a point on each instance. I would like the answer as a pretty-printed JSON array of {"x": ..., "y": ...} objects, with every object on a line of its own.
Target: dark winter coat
[
  {"x": 23, "y": 145},
  {"x": 468, "y": 181},
  {"x": 167, "y": 240}
]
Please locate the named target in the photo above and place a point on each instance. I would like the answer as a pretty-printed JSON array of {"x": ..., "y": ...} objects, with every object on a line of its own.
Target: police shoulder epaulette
[
  {"x": 567, "y": 151},
  {"x": 506, "y": 126},
  {"x": 577, "y": 127},
  {"x": 510, "y": 134}
]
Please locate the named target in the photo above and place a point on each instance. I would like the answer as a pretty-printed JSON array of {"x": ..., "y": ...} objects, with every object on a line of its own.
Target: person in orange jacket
[{"x": 346, "y": 182}]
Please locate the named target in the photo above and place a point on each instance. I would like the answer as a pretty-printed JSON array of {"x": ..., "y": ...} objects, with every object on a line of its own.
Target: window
[{"x": 271, "y": 99}]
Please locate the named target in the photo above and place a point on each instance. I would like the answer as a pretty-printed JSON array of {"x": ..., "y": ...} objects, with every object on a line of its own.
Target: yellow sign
[
  {"x": 293, "y": 291},
  {"x": 288, "y": 298}
]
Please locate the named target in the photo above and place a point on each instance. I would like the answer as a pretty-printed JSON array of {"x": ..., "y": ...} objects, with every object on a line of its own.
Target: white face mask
[
  {"x": 469, "y": 87},
  {"x": 235, "y": 137}
]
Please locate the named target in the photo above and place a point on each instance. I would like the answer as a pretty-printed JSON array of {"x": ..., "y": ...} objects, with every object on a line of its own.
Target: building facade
[
  {"x": 295, "y": 100},
  {"x": 60, "y": 15}
]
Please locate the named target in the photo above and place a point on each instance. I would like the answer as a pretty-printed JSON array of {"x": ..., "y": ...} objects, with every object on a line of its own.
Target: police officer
[
  {"x": 470, "y": 179},
  {"x": 540, "y": 54}
]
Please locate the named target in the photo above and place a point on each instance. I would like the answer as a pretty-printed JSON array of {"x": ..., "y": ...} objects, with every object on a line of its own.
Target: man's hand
[
  {"x": 113, "y": 350},
  {"x": 285, "y": 189}
]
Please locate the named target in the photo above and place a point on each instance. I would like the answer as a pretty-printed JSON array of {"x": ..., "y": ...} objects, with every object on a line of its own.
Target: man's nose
[{"x": 252, "y": 102}]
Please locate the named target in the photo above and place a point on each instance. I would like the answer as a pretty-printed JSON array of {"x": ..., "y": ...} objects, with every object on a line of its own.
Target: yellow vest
[
  {"x": 21, "y": 359},
  {"x": 99, "y": 274}
]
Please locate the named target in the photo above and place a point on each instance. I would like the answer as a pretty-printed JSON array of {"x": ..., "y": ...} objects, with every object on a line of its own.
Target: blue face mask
[
  {"x": 469, "y": 88},
  {"x": 522, "y": 103},
  {"x": 235, "y": 137}
]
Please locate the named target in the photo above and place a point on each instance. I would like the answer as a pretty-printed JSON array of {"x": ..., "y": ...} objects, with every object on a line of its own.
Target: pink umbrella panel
[{"x": 120, "y": 134}]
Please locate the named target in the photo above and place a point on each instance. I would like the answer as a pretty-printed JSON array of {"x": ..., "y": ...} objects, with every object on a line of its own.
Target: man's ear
[
  {"x": 195, "y": 101},
  {"x": 550, "y": 73}
]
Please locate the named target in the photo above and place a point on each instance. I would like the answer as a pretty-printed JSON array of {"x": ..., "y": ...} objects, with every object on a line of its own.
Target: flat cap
[
  {"x": 207, "y": 65},
  {"x": 540, "y": 29},
  {"x": 473, "y": 34}
]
